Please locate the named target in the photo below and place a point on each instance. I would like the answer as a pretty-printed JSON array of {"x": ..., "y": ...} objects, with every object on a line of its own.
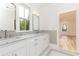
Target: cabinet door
[
  {"x": 6, "y": 51},
  {"x": 44, "y": 42},
  {"x": 20, "y": 51},
  {"x": 38, "y": 45},
  {"x": 7, "y": 54},
  {"x": 28, "y": 47},
  {"x": 34, "y": 47},
  {"x": 21, "y": 48}
]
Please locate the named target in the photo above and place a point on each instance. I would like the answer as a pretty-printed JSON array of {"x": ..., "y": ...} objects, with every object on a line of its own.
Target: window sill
[{"x": 25, "y": 31}]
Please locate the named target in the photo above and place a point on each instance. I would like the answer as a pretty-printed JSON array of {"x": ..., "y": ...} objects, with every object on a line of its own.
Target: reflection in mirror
[{"x": 7, "y": 16}]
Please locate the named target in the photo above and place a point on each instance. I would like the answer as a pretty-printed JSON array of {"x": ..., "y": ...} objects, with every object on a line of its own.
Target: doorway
[{"x": 67, "y": 30}]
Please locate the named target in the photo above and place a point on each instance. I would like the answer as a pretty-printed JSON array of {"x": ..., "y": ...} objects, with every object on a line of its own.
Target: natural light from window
[{"x": 24, "y": 18}]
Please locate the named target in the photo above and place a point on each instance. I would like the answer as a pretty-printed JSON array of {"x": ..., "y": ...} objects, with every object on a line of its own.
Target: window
[{"x": 24, "y": 18}]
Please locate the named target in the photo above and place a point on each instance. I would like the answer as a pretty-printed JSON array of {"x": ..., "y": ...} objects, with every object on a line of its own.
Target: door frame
[{"x": 58, "y": 20}]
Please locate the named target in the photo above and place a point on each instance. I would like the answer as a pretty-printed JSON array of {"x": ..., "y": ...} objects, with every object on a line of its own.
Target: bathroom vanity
[{"x": 25, "y": 45}]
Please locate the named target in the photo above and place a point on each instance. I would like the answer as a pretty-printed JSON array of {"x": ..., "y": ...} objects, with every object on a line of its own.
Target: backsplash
[
  {"x": 2, "y": 34},
  {"x": 8, "y": 34}
]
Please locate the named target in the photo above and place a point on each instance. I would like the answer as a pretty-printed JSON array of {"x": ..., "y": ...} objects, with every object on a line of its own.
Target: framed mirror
[
  {"x": 7, "y": 16},
  {"x": 35, "y": 22}
]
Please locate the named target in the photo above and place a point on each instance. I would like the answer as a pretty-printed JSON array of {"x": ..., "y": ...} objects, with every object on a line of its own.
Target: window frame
[{"x": 25, "y": 7}]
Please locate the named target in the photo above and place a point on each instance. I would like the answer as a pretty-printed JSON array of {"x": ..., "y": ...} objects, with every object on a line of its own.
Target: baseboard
[
  {"x": 53, "y": 46},
  {"x": 45, "y": 52}
]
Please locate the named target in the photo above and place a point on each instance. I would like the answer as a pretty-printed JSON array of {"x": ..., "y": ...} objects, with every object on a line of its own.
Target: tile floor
[
  {"x": 54, "y": 53},
  {"x": 58, "y": 52}
]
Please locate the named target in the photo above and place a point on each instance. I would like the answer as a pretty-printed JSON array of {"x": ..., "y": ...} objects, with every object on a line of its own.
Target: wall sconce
[
  {"x": 35, "y": 12},
  {"x": 64, "y": 27}
]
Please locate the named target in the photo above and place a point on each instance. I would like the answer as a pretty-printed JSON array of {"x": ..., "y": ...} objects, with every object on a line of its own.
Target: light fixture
[{"x": 35, "y": 12}]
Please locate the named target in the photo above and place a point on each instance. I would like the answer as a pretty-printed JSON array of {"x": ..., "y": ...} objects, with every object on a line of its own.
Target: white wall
[
  {"x": 49, "y": 14},
  {"x": 48, "y": 17},
  {"x": 34, "y": 7}
]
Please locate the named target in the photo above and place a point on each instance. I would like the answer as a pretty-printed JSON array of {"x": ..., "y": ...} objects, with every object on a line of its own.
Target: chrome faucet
[{"x": 5, "y": 33}]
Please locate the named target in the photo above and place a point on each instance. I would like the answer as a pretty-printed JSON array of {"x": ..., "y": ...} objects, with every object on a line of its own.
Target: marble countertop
[{"x": 4, "y": 41}]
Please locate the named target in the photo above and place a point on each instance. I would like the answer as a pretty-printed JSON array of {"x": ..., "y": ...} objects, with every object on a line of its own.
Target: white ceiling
[
  {"x": 57, "y": 6},
  {"x": 37, "y": 6}
]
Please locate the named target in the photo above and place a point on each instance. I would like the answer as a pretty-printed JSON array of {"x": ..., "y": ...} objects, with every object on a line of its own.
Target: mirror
[
  {"x": 35, "y": 23},
  {"x": 64, "y": 27},
  {"x": 7, "y": 16}
]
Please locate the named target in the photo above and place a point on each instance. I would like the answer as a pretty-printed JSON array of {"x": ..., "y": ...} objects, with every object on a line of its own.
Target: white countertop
[{"x": 4, "y": 41}]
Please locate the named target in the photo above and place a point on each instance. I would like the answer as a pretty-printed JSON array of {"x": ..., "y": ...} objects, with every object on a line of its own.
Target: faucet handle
[
  {"x": 5, "y": 33},
  {"x": 2, "y": 34},
  {"x": 6, "y": 30}
]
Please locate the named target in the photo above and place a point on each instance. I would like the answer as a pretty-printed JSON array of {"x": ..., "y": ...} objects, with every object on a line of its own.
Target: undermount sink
[{"x": 3, "y": 41}]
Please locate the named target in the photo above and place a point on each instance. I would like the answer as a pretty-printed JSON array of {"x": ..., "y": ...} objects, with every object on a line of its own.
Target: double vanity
[
  {"x": 33, "y": 44},
  {"x": 17, "y": 17}
]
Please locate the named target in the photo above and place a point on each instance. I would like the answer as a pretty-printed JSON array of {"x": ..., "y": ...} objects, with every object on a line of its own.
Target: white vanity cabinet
[
  {"x": 39, "y": 44},
  {"x": 20, "y": 51},
  {"x": 44, "y": 42},
  {"x": 33, "y": 46},
  {"x": 20, "y": 48},
  {"x": 14, "y": 49},
  {"x": 6, "y": 51}
]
